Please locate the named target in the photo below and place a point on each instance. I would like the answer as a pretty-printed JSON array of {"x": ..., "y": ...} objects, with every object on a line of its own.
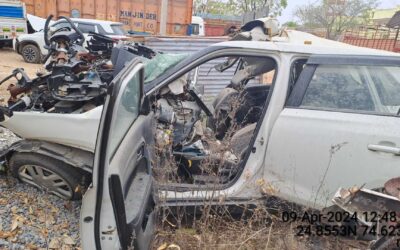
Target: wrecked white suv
[{"x": 300, "y": 118}]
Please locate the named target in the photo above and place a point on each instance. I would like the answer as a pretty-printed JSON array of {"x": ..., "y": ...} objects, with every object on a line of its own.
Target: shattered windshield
[{"x": 160, "y": 64}]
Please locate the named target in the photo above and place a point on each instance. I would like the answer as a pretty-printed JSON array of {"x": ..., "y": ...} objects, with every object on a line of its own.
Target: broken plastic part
[{"x": 365, "y": 200}]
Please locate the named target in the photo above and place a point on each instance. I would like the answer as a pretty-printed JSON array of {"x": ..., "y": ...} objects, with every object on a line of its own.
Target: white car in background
[{"x": 31, "y": 46}]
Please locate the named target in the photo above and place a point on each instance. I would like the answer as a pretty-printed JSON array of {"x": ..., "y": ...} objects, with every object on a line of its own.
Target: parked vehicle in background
[
  {"x": 12, "y": 21},
  {"x": 197, "y": 27},
  {"x": 31, "y": 46}
]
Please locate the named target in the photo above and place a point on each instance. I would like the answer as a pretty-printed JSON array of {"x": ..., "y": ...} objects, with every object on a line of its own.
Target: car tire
[
  {"x": 48, "y": 174},
  {"x": 31, "y": 53}
]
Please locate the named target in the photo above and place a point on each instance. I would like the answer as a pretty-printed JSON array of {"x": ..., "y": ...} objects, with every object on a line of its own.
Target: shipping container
[
  {"x": 219, "y": 27},
  {"x": 136, "y": 15},
  {"x": 214, "y": 29}
]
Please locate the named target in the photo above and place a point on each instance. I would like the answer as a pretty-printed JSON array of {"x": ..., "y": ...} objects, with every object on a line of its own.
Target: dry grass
[
  {"x": 221, "y": 227},
  {"x": 252, "y": 228}
]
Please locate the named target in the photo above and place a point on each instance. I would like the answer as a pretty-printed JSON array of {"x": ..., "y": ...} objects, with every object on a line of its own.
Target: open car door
[{"x": 122, "y": 181}]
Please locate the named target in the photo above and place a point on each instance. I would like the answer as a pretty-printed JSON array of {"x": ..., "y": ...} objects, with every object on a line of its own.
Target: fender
[
  {"x": 72, "y": 156},
  {"x": 20, "y": 44}
]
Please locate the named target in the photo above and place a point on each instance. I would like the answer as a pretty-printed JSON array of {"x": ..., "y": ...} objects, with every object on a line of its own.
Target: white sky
[{"x": 287, "y": 14}]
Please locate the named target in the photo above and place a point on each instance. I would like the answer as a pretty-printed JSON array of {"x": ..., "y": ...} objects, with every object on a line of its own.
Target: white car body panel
[
  {"x": 36, "y": 22},
  {"x": 312, "y": 153},
  {"x": 36, "y": 37},
  {"x": 75, "y": 130},
  {"x": 296, "y": 42}
]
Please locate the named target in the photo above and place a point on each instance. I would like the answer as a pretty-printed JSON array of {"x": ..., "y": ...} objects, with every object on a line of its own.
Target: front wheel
[
  {"x": 31, "y": 53},
  {"x": 48, "y": 174}
]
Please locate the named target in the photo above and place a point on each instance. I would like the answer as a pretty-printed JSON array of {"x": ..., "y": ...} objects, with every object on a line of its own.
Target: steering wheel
[
  {"x": 46, "y": 30},
  {"x": 62, "y": 28}
]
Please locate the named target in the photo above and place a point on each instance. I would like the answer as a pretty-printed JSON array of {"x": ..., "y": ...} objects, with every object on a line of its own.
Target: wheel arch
[
  {"x": 23, "y": 43},
  {"x": 74, "y": 157}
]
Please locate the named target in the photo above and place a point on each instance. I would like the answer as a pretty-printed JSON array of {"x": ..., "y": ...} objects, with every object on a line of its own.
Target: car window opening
[
  {"x": 354, "y": 89},
  {"x": 208, "y": 145}
]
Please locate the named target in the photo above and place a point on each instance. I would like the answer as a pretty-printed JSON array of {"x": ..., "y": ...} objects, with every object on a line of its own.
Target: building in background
[
  {"x": 382, "y": 16},
  {"x": 381, "y": 35}
]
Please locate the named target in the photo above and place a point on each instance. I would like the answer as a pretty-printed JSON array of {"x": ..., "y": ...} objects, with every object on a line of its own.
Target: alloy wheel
[
  {"x": 30, "y": 54},
  {"x": 45, "y": 179}
]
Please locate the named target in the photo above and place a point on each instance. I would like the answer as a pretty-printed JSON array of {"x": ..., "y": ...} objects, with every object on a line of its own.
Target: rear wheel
[
  {"x": 31, "y": 53},
  {"x": 48, "y": 174}
]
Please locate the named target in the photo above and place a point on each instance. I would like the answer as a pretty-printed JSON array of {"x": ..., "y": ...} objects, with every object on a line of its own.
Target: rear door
[
  {"x": 124, "y": 205},
  {"x": 340, "y": 128}
]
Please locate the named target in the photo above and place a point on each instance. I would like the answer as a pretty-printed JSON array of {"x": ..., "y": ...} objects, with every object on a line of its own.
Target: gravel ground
[{"x": 31, "y": 219}]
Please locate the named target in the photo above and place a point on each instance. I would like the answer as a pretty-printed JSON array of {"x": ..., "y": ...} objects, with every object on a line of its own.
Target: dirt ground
[{"x": 9, "y": 61}]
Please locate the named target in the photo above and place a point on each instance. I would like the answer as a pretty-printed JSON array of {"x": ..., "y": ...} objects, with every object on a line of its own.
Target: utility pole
[{"x": 163, "y": 17}]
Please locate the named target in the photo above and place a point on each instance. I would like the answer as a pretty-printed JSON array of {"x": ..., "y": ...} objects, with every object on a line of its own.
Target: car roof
[
  {"x": 304, "y": 43},
  {"x": 94, "y": 21}
]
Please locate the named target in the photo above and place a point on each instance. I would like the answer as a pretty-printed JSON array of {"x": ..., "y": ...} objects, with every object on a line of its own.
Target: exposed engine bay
[{"x": 76, "y": 75}]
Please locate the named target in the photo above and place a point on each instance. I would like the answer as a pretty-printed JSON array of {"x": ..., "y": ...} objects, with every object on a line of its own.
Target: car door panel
[
  {"x": 332, "y": 132},
  {"x": 134, "y": 178},
  {"x": 312, "y": 153},
  {"x": 126, "y": 211}
]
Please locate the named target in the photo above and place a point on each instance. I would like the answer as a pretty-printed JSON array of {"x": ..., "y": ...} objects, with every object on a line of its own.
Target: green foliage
[
  {"x": 291, "y": 24},
  {"x": 335, "y": 16},
  {"x": 213, "y": 7},
  {"x": 237, "y": 7}
]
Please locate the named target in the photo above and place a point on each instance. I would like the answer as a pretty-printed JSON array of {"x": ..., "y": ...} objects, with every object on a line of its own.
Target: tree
[
  {"x": 275, "y": 6},
  {"x": 213, "y": 7},
  {"x": 237, "y": 7},
  {"x": 291, "y": 24},
  {"x": 335, "y": 16}
]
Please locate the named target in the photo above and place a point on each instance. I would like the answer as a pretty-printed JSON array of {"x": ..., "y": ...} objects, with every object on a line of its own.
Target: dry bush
[
  {"x": 237, "y": 227},
  {"x": 221, "y": 226}
]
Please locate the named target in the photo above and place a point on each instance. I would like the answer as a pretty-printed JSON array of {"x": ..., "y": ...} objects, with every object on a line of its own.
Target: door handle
[{"x": 385, "y": 149}]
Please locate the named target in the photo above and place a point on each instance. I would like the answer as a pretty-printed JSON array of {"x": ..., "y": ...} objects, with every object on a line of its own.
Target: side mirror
[{"x": 145, "y": 106}]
